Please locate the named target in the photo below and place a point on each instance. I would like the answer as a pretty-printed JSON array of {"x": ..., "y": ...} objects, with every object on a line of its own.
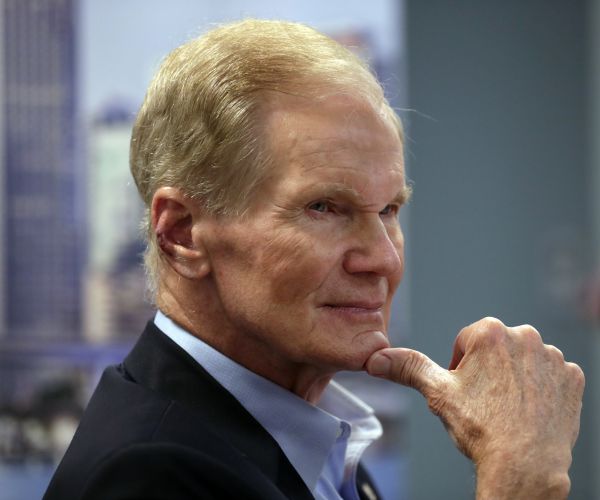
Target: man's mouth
[
  {"x": 356, "y": 309},
  {"x": 368, "y": 303},
  {"x": 365, "y": 306}
]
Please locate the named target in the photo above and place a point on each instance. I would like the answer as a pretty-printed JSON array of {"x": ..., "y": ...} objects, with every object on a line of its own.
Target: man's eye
[
  {"x": 319, "y": 206},
  {"x": 389, "y": 210}
]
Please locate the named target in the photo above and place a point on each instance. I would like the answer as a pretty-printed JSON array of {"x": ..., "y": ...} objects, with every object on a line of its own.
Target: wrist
[{"x": 508, "y": 479}]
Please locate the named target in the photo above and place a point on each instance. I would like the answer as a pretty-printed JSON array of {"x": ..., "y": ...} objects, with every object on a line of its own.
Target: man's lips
[
  {"x": 355, "y": 307},
  {"x": 366, "y": 305}
]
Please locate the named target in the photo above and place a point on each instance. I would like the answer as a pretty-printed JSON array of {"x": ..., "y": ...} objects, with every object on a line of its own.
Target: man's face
[{"x": 307, "y": 278}]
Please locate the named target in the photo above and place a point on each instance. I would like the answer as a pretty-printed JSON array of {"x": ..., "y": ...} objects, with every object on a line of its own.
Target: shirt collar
[{"x": 304, "y": 432}]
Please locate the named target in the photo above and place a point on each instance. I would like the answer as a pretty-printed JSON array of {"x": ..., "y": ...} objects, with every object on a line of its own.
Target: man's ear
[{"x": 173, "y": 216}]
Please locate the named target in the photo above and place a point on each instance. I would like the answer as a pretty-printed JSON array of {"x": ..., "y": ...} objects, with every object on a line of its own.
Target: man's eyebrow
[
  {"x": 403, "y": 197},
  {"x": 337, "y": 189}
]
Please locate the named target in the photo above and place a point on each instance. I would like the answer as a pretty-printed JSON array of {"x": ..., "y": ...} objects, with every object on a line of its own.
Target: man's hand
[{"x": 510, "y": 403}]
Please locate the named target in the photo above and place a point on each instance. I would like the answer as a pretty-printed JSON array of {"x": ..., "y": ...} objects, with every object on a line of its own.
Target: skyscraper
[
  {"x": 40, "y": 210},
  {"x": 113, "y": 277}
]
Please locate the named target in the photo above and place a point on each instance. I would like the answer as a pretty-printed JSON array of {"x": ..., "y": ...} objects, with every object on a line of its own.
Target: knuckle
[
  {"x": 527, "y": 334},
  {"x": 576, "y": 375},
  {"x": 411, "y": 368},
  {"x": 491, "y": 324},
  {"x": 555, "y": 352},
  {"x": 491, "y": 330},
  {"x": 530, "y": 333}
]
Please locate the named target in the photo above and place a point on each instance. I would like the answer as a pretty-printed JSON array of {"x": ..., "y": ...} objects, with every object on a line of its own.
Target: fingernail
[{"x": 379, "y": 365}]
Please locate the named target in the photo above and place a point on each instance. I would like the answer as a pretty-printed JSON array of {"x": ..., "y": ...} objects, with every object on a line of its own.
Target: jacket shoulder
[{"x": 162, "y": 471}]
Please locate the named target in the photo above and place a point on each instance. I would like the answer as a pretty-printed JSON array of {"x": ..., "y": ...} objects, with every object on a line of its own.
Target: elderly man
[{"x": 272, "y": 169}]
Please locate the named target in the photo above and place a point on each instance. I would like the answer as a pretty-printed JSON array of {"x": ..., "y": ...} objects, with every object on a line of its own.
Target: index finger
[{"x": 488, "y": 327}]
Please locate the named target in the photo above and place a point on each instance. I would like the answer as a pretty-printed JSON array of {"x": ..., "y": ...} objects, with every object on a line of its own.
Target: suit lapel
[{"x": 158, "y": 363}]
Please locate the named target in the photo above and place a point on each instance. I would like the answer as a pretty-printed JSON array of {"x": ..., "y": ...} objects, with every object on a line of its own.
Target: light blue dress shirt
[{"x": 323, "y": 443}]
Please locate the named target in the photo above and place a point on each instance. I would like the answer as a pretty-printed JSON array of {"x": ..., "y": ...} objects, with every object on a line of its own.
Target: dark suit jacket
[{"x": 160, "y": 427}]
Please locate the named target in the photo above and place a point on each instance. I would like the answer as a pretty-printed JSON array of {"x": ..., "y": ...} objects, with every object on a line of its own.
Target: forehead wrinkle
[
  {"x": 344, "y": 158},
  {"x": 397, "y": 165},
  {"x": 333, "y": 145}
]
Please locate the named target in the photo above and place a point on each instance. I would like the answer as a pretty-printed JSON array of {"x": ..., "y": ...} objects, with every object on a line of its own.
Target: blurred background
[{"x": 501, "y": 104}]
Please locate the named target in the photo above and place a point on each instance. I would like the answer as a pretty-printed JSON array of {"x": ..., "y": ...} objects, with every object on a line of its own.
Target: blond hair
[{"x": 198, "y": 128}]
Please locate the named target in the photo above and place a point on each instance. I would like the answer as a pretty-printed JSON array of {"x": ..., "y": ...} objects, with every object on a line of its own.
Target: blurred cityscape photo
[{"x": 72, "y": 293}]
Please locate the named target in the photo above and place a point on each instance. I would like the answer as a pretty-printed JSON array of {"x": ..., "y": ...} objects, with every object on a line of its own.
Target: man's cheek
[{"x": 296, "y": 270}]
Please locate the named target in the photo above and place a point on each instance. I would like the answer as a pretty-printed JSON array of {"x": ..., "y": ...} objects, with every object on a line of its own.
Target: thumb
[{"x": 407, "y": 367}]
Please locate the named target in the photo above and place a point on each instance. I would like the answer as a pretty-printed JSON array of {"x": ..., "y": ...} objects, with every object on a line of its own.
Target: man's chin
[{"x": 375, "y": 341}]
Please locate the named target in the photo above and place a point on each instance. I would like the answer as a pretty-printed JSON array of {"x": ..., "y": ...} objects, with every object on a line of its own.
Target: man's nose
[{"x": 374, "y": 249}]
